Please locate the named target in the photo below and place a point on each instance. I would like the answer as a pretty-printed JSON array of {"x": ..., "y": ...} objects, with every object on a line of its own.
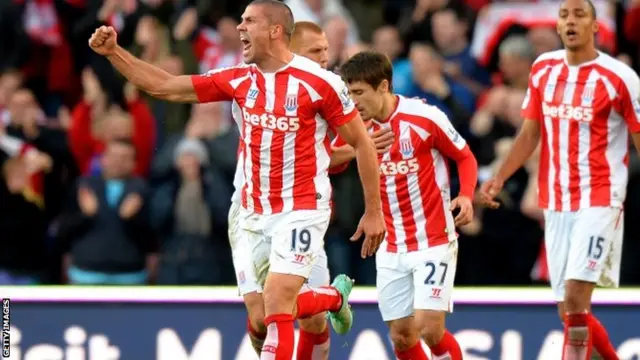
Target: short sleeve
[
  {"x": 215, "y": 85},
  {"x": 628, "y": 101},
  {"x": 337, "y": 108},
  {"x": 446, "y": 138},
  {"x": 531, "y": 106}
]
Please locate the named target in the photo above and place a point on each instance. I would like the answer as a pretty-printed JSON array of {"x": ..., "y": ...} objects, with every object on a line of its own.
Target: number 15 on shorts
[{"x": 596, "y": 247}]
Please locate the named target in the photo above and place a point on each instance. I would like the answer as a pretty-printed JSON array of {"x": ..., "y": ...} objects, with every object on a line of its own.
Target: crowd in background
[{"x": 101, "y": 184}]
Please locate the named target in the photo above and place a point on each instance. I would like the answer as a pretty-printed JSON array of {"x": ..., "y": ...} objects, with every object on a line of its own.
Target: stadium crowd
[{"x": 101, "y": 184}]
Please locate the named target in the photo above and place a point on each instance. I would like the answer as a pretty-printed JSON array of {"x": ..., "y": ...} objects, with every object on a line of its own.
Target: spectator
[
  {"x": 321, "y": 12},
  {"x": 10, "y": 81},
  {"x": 431, "y": 84},
  {"x": 26, "y": 121},
  {"x": 105, "y": 114},
  {"x": 544, "y": 39},
  {"x": 449, "y": 28},
  {"x": 387, "y": 41},
  {"x": 189, "y": 210},
  {"x": 23, "y": 256},
  {"x": 106, "y": 226},
  {"x": 516, "y": 56}
]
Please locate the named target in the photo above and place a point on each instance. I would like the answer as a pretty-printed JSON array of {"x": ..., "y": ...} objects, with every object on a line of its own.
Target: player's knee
[
  {"x": 403, "y": 334},
  {"x": 280, "y": 292},
  {"x": 315, "y": 324}
]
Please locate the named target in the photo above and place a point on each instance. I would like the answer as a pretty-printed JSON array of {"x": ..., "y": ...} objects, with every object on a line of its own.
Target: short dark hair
[
  {"x": 370, "y": 67},
  {"x": 593, "y": 9},
  {"x": 281, "y": 14}
]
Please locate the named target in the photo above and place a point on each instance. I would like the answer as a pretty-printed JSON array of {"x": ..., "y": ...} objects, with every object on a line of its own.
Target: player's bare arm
[
  {"x": 150, "y": 79},
  {"x": 523, "y": 147},
  {"x": 355, "y": 134},
  {"x": 341, "y": 154},
  {"x": 382, "y": 139}
]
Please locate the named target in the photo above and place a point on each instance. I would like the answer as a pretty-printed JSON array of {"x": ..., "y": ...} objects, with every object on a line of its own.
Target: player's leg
[
  {"x": 592, "y": 260},
  {"x": 255, "y": 323},
  {"x": 313, "y": 342},
  {"x": 297, "y": 239},
  {"x": 601, "y": 343},
  {"x": 434, "y": 275},
  {"x": 248, "y": 285},
  {"x": 395, "y": 300}
]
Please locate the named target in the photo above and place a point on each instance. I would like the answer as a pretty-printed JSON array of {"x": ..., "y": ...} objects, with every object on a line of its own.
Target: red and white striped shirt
[
  {"x": 285, "y": 118},
  {"x": 586, "y": 113},
  {"x": 414, "y": 176}
]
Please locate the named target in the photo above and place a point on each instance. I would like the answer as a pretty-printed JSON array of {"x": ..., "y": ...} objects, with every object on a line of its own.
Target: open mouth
[
  {"x": 246, "y": 44},
  {"x": 571, "y": 34}
]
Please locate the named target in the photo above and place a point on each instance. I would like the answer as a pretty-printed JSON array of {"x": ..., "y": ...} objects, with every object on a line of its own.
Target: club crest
[
  {"x": 406, "y": 147},
  {"x": 291, "y": 103}
]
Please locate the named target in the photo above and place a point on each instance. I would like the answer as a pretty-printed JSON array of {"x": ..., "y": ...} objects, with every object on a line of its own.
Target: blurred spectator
[
  {"x": 10, "y": 81},
  {"x": 104, "y": 114},
  {"x": 415, "y": 22},
  {"x": 387, "y": 41},
  {"x": 516, "y": 56},
  {"x": 450, "y": 36},
  {"x": 544, "y": 39},
  {"x": 23, "y": 225},
  {"x": 106, "y": 226},
  {"x": 323, "y": 11},
  {"x": 189, "y": 210},
  {"x": 26, "y": 121},
  {"x": 433, "y": 85}
]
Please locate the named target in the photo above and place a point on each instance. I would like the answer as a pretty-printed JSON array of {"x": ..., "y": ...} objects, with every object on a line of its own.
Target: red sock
[
  {"x": 448, "y": 345},
  {"x": 313, "y": 301},
  {"x": 310, "y": 345},
  {"x": 414, "y": 353},
  {"x": 577, "y": 337},
  {"x": 601, "y": 341},
  {"x": 279, "y": 342}
]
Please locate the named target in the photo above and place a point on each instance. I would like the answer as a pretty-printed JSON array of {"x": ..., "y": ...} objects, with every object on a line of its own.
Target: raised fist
[{"x": 104, "y": 40}]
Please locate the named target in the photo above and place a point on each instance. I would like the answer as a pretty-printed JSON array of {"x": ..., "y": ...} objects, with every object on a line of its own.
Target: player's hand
[
  {"x": 104, "y": 40},
  {"x": 465, "y": 205},
  {"x": 372, "y": 227},
  {"x": 488, "y": 192},
  {"x": 383, "y": 139}
]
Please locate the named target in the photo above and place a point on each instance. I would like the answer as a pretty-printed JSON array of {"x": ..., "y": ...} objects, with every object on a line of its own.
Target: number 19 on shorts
[{"x": 300, "y": 240}]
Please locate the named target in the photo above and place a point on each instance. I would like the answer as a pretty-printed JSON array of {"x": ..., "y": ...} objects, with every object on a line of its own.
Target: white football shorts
[
  {"x": 584, "y": 245},
  {"x": 418, "y": 280},
  {"x": 288, "y": 243}
]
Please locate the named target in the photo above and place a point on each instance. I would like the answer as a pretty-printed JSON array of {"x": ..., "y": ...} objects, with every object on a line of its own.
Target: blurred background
[{"x": 101, "y": 184}]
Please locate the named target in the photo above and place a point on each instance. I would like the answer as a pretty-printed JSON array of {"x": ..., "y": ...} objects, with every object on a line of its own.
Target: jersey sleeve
[
  {"x": 531, "y": 106},
  {"x": 336, "y": 108},
  {"x": 628, "y": 101},
  {"x": 215, "y": 85},
  {"x": 446, "y": 138}
]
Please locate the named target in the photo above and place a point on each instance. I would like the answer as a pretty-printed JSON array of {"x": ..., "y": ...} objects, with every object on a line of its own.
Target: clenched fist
[{"x": 104, "y": 40}]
